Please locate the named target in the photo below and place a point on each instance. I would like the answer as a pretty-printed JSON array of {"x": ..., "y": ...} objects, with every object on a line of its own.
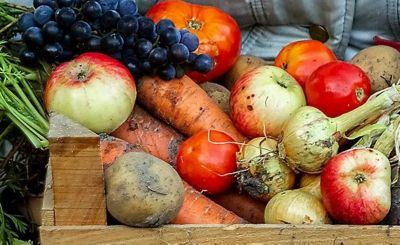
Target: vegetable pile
[{"x": 308, "y": 139}]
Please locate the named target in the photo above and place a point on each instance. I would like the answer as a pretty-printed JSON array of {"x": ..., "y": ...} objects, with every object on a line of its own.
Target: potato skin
[
  {"x": 243, "y": 64},
  {"x": 381, "y": 64},
  {"x": 142, "y": 190},
  {"x": 218, "y": 93}
]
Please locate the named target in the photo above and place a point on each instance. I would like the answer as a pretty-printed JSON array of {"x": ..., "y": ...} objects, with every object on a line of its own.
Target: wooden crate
[{"x": 74, "y": 212}]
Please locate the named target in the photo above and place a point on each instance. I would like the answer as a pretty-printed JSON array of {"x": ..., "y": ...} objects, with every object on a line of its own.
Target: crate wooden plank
[
  {"x": 47, "y": 211},
  {"x": 212, "y": 234},
  {"x": 79, "y": 199}
]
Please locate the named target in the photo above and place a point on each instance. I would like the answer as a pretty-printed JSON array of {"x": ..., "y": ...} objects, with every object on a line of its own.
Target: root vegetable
[
  {"x": 219, "y": 94},
  {"x": 242, "y": 205},
  {"x": 242, "y": 65},
  {"x": 309, "y": 138},
  {"x": 184, "y": 105},
  {"x": 142, "y": 190},
  {"x": 381, "y": 64},
  {"x": 295, "y": 207},
  {"x": 151, "y": 135},
  {"x": 198, "y": 209},
  {"x": 260, "y": 172},
  {"x": 311, "y": 184}
]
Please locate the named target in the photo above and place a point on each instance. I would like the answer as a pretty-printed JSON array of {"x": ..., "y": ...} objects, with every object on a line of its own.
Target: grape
[
  {"x": 129, "y": 41},
  {"x": 65, "y": 17},
  {"x": 167, "y": 73},
  {"x": 143, "y": 47},
  {"x": 158, "y": 56},
  {"x": 127, "y": 25},
  {"x": 43, "y": 14},
  {"x": 112, "y": 43},
  {"x": 33, "y": 37},
  {"x": 50, "y": 3},
  {"x": 132, "y": 63},
  {"x": 146, "y": 67},
  {"x": 28, "y": 57},
  {"x": 146, "y": 27},
  {"x": 81, "y": 30},
  {"x": 52, "y": 51},
  {"x": 163, "y": 24},
  {"x": 129, "y": 52},
  {"x": 127, "y": 7},
  {"x": 192, "y": 57},
  {"x": 108, "y": 4},
  {"x": 203, "y": 63},
  {"x": 183, "y": 32},
  {"x": 93, "y": 43},
  {"x": 67, "y": 42},
  {"x": 25, "y": 21},
  {"x": 117, "y": 55},
  {"x": 52, "y": 31},
  {"x": 66, "y": 3},
  {"x": 179, "y": 53},
  {"x": 65, "y": 55},
  {"x": 92, "y": 10},
  {"x": 170, "y": 36},
  {"x": 190, "y": 40},
  {"x": 110, "y": 19},
  {"x": 95, "y": 24}
]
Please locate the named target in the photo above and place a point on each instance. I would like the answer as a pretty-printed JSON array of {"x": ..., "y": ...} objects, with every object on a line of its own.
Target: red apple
[
  {"x": 262, "y": 99},
  {"x": 94, "y": 89},
  {"x": 355, "y": 187}
]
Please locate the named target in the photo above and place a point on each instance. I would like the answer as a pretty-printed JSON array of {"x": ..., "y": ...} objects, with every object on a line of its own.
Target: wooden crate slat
[
  {"x": 77, "y": 174},
  {"x": 47, "y": 212},
  {"x": 212, "y": 234}
]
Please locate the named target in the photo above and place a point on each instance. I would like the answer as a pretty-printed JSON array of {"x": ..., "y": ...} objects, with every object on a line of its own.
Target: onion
[
  {"x": 309, "y": 138},
  {"x": 295, "y": 207},
  {"x": 311, "y": 184},
  {"x": 266, "y": 174}
]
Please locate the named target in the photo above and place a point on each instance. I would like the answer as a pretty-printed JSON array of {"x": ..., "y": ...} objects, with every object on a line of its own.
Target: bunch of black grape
[{"x": 57, "y": 30}]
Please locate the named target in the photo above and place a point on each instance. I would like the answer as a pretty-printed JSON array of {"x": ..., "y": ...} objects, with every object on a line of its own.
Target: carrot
[
  {"x": 111, "y": 148},
  {"x": 243, "y": 205},
  {"x": 184, "y": 105},
  {"x": 152, "y": 135},
  {"x": 198, "y": 209}
]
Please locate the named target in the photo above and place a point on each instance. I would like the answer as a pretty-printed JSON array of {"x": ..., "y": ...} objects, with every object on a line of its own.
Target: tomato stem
[{"x": 194, "y": 24}]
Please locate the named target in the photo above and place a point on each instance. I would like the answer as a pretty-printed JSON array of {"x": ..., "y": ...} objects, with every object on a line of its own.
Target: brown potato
[
  {"x": 218, "y": 93},
  {"x": 142, "y": 190},
  {"x": 242, "y": 65},
  {"x": 381, "y": 64}
]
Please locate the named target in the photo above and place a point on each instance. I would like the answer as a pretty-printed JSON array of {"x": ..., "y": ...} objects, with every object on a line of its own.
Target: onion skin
[
  {"x": 263, "y": 99},
  {"x": 266, "y": 174},
  {"x": 94, "y": 90},
  {"x": 355, "y": 186},
  {"x": 311, "y": 184},
  {"x": 295, "y": 207},
  {"x": 309, "y": 138}
]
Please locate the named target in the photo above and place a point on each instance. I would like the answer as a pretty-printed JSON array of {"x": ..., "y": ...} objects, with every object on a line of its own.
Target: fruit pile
[{"x": 57, "y": 30}]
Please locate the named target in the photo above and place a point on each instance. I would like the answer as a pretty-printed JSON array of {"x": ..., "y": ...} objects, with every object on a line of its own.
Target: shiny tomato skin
[
  {"x": 218, "y": 32},
  {"x": 337, "y": 87},
  {"x": 205, "y": 165},
  {"x": 301, "y": 58}
]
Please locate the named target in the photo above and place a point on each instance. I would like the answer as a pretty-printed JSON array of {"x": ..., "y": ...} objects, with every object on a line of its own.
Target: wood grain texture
[
  {"x": 77, "y": 174},
  {"x": 47, "y": 211},
  {"x": 220, "y": 234}
]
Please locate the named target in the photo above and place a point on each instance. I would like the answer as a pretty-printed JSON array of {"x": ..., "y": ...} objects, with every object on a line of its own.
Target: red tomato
[
  {"x": 337, "y": 87},
  {"x": 218, "y": 32},
  {"x": 302, "y": 58},
  {"x": 205, "y": 165}
]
